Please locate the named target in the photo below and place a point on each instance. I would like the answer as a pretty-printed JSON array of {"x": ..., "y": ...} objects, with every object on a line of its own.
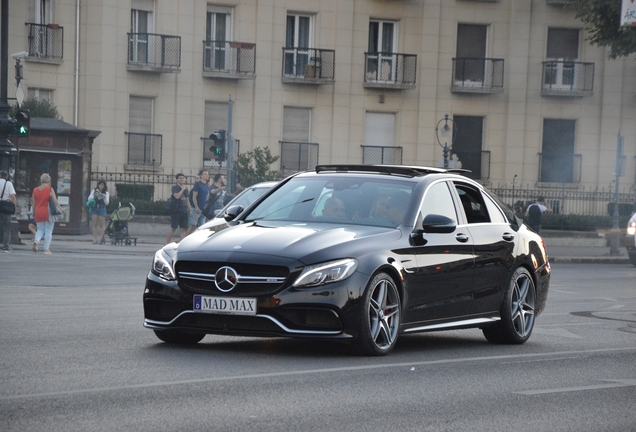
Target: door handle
[
  {"x": 460, "y": 237},
  {"x": 508, "y": 237}
]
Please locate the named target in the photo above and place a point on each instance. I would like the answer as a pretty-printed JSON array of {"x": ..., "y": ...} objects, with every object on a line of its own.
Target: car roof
[{"x": 402, "y": 170}]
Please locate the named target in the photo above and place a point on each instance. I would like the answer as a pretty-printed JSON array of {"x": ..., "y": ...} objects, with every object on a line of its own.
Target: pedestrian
[
  {"x": 218, "y": 192},
  {"x": 43, "y": 218},
  {"x": 98, "y": 211},
  {"x": 200, "y": 192},
  {"x": 534, "y": 213},
  {"x": 32, "y": 225},
  {"x": 7, "y": 193},
  {"x": 179, "y": 218}
]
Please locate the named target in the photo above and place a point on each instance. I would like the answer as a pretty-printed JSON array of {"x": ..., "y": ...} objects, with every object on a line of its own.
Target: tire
[
  {"x": 179, "y": 337},
  {"x": 517, "y": 311},
  {"x": 379, "y": 319}
]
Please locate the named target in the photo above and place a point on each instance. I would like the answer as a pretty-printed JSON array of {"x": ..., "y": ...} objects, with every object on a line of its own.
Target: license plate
[{"x": 225, "y": 305}]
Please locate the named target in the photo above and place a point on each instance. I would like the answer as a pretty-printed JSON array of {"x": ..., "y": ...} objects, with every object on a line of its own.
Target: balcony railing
[
  {"x": 381, "y": 155},
  {"x": 389, "y": 70},
  {"x": 567, "y": 78},
  {"x": 560, "y": 169},
  {"x": 144, "y": 149},
  {"x": 308, "y": 65},
  {"x": 46, "y": 41},
  {"x": 232, "y": 60},
  {"x": 477, "y": 75},
  {"x": 478, "y": 162},
  {"x": 296, "y": 157},
  {"x": 154, "y": 52}
]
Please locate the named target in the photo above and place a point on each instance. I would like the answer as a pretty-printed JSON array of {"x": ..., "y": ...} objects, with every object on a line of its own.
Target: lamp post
[
  {"x": 446, "y": 132},
  {"x": 618, "y": 172}
]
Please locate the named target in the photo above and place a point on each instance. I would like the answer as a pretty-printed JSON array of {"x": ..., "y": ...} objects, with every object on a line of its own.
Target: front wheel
[
  {"x": 379, "y": 320},
  {"x": 179, "y": 337},
  {"x": 517, "y": 312}
]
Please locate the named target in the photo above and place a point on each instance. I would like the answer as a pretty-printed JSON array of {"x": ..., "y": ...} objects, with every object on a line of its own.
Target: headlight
[
  {"x": 631, "y": 228},
  {"x": 325, "y": 273},
  {"x": 162, "y": 265}
]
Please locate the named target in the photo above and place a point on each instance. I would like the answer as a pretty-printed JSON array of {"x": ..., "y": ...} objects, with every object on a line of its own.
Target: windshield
[
  {"x": 244, "y": 199},
  {"x": 349, "y": 199}
]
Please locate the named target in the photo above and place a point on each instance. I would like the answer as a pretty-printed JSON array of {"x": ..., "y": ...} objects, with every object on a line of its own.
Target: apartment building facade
[{"x": 336, "y": 81}]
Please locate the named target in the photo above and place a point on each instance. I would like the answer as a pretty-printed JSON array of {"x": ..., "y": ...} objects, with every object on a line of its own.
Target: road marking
[
  {"x": 616, "y": 384},
  {"x": 313, "y": 371}
]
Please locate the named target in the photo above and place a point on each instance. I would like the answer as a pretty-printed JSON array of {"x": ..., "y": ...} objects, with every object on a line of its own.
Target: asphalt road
[{"x": 75, "y": 357}]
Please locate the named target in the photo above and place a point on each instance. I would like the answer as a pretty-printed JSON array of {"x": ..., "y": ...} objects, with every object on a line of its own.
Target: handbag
[
  {"x": 6, "y": 207},
  {"x": 91, "y": 203},
  {"x": 53, "y": 209},
  {"x": 208, "y": 210},
  {"x": 172, "y": 205}
]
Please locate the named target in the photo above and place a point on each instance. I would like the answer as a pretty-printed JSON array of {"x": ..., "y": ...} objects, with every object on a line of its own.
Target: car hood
[{"x": 304, "y": 242}]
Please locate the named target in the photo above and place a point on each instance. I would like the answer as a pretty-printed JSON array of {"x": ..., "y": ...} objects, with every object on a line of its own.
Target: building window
[
  {"x": 218, "y": 31},
  {"x": 43, "y": 12},
  {"x": 297, "y": 153},
  {"x": 466, "y": 151},
  {"x": 298, "y": 40},
  {"x": 381, "y": 63},
  {"x": 140, "y": 115},
  {"x": 563, "y": 44},
  {"x": 379, "y": 129},
  {"x": 141, "y": 24},
  {"x": 557, "y": 154},
  {"x": 471, "y": 52},
  {"x": 40, "y": 94}
]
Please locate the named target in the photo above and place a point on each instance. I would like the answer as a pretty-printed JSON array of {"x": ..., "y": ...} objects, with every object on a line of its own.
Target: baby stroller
[{"x": 117, "y": 224}]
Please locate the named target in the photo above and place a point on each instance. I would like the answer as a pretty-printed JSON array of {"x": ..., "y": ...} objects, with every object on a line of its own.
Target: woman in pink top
[{"x": 43, "y": 219}]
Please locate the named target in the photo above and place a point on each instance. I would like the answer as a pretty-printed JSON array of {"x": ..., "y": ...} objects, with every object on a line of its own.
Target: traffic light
[
  {"x": 23, "y": 123},
  {"x": 219, "y": 145}
]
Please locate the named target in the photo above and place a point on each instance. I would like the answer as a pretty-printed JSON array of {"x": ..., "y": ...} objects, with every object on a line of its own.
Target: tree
[
  {"x": 254, "y": 166},
  {"x": 602, "y": 20},
  {"x": 38, "y": 108}
]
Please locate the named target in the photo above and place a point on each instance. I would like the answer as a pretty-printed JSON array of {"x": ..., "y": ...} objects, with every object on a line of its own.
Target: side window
[
  {"x": 473, "y": 204},
  {"x": 510, "y": 214},
  {"x": 493, "y": 211},
  {"x": 438, "y": 200}
]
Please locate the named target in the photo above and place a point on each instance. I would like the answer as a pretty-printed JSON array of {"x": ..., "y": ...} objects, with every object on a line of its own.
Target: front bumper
[
  {"x": 629, "y": 243},
  {"x": 327, "y": 311}
]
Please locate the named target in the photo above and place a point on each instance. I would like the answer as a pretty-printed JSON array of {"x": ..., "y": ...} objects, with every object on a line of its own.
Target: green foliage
[
  {"x": 602, "y": 20},
  {"x": 135, "y": 192},
  {"x": 563, "y": 222},
  {"x": 38, "y": 108},
  {"x": 141, "y": 207},
  {"x": 254, "y": 166}
]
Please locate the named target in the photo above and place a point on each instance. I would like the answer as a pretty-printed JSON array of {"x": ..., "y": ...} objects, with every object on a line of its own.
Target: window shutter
[
  {"x": 296, "y": 124},
  {"x": 215, "y": 117},
  {"x": 140, "y": 115},
  {"x": 379, "y": 129}
]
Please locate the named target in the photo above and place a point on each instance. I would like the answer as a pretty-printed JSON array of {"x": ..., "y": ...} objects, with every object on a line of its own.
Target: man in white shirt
[{"x": 7, "y": 193}]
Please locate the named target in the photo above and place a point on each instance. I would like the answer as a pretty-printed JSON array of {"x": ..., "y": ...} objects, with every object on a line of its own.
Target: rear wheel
[
  {"x": 517, "y": 312},
  {"x": 379, "y": 321},
  {"x": 179, "y": 337}
]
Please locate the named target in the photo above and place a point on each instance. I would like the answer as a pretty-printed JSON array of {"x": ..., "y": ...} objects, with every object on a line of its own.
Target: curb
[{"x": 589, "y": 260}]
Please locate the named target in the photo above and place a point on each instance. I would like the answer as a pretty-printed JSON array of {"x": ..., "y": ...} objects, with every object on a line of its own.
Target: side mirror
[
  {"x": 438, "y": 224},
  {"x": 232, "y": 212}
]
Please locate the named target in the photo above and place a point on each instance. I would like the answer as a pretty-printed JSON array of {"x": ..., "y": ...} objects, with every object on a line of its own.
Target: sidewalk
[{"x": 562, "y": 246}]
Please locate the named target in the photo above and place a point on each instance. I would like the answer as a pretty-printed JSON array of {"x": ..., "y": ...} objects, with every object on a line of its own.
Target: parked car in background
[
  {"x": 244, "y": 199},
  {"x": 360, "y": 253},
  {"x": 630, "y": 239}
]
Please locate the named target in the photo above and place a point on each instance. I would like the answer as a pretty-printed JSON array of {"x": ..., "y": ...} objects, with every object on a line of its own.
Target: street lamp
[{"x": 446, "y": 132}]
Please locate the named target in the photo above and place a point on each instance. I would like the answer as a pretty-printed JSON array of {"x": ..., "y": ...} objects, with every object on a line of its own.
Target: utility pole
[
  {"x": 231, "y": 176},
  {"x": 615, "y": 240},
  {"x": 7, "y": 149}
]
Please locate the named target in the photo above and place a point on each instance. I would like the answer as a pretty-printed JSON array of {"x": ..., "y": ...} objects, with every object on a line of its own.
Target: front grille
[
  {"x": 229, "y": 323},
  {"x": 309, "y": 319},
  {"x": 254, "y": 279}
]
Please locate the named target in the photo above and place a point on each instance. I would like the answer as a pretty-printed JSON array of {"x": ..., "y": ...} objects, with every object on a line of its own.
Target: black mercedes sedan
[{"x": 360, "y": 253}]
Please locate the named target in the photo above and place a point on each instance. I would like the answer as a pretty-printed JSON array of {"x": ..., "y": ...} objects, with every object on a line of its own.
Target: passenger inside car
[{"x": 334, "y": 209}]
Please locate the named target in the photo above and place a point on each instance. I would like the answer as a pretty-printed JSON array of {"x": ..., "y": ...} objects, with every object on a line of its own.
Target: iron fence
[
  {"x": 309, "y": 63},
  {"x": 478, "y": 74},
  {"x": 296, "y": 157},
  {"x": 236, "y": 58},
  {"x": 567, "y": 78},
  {"x": 46, "y": 41},
  {"x": 379, "y": 155},
  {"x": 144, "y": 149},
  {"x": 156, "y": 50},
  {"x": 390, "y": 68}
]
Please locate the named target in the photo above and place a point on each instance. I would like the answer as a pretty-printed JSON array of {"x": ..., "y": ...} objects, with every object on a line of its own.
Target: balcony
[
  {"x": 46, "y": 43},
  {"x": 478, "y": 162},
  {"x": 390, "y": 70},
  {"x": 381, "y": 155},
  {"x": 308, "y": 66},
  {"x": 155, "y": 53},
  {"x": 144, "y": 150},
  {"x": 296, "y": 157},
  {"x": 477, "y": 75},
  {"x": 567, "y": 78},
  {"x": 560, "y": 170},
  {"x": 229, "y": 60}
]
